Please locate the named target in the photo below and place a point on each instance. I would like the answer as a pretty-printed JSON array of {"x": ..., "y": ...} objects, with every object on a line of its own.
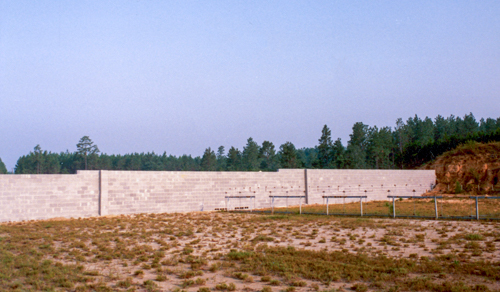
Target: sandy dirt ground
[{"x": 188, "y": 252}]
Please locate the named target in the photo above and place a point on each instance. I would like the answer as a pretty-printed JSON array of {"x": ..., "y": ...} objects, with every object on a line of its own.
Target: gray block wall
[
  {"x": 138, "y": 192},
  {"x": 375, "y": 184},
  {"x": 93, "y": 193},
  {"x": 44, "y": 196}
]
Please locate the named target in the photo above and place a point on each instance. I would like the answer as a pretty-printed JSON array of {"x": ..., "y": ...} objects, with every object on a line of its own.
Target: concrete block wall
[
  {"x": 29, "y": 196},
  {"x": 93, "y": 193},
  {"x": 160, "y": 191},
  {"x": 375, "y": 184}
]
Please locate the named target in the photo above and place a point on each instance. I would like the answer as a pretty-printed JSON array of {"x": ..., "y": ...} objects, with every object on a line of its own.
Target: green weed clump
[
  {"x": 187, "y": 283},
  {"x": 28, "y": 271},
  {"x": 225, "y": 287},
  {"x": 260, "y": 238},
  {"x": 333, "y": 266},
  {"x": 360, "y": 288},
  {"x": 125, "y": 283},
  {"x": 473, "y": 236},
  {"x": 299, "y": 283}
]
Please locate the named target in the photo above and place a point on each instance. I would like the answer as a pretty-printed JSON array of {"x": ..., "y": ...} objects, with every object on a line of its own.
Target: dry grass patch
[{"x": 248, "y": 252}]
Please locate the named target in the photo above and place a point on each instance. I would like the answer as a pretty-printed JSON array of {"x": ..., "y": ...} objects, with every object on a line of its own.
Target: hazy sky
[{"x": 181, "y": 76}]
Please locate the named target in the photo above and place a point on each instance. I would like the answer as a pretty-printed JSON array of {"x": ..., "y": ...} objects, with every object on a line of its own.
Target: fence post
[
  {"x": 436, "y": 206},
  {"x": 361, "y": 205},
  {"x": 272, "y": 205},
  {"x": 393, "y": 207},
  {"x": 477, "y": 209},
  {"x": 300, "y": 212},
  {"x": 287, "y": 201},
  {"x": 327, "y": 206},
  {"x": 306, "y": 187}
]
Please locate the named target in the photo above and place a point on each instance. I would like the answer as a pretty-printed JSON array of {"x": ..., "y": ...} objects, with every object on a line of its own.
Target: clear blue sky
[{"x": 181, "y": 76}]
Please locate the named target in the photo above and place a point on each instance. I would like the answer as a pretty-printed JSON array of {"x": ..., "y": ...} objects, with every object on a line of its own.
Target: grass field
[
  {"x": 447, "y": 207},
  {"x": 212, "y": 251}
]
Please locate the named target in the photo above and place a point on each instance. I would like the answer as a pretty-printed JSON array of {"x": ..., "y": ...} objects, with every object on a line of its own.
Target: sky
[{"x": 181, "y": 76}]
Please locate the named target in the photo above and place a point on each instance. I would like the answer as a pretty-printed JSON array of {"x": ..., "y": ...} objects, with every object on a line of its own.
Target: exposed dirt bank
[{"x": 473, "y": 168}]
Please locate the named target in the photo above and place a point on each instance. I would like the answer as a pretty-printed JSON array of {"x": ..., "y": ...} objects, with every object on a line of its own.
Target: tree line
[{"x": 409, "y": 144}]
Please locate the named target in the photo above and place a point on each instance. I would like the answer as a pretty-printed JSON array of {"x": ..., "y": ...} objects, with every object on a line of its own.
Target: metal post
[
  {"x": 272, "y": 206},
  {"x": 436, "y": 206},
  {"x": 300, "y": 206},
  {"x": 393, "y": 207},
  {"x": 326, "y": 206},
  {"x": 361, "y": 205},
  {"x": 477, "y": 209},
  {"x": 287, "y": 201}
]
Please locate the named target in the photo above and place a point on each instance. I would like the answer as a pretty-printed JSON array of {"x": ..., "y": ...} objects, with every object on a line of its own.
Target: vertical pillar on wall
[
  {"x": 306, "y": 186},
  {"x": 103, "y": 193}
]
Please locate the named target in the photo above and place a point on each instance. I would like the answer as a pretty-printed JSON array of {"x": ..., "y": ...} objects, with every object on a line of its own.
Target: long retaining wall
[{"x": 101, "y": 192}]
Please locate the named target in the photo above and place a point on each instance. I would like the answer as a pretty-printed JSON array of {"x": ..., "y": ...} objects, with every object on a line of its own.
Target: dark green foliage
[
  {"x": 3, "y": 169},
  {"x": 380, "y": 148},
  {"x": 308, "y": 157},
  {"x": 268, "y": 157},
  {"x": 415, "y": 155},
  {"x": 408, "y": 145},
  {"x": 66, "y": 162},
  {"x": 38, "y": 162},
  {"x": 234, "y": 159},
  {"x": 339, "y": 154},
  {"x": 87, "y": 150},
  {"x": 288, "y": 156},
  {"x": 209, "y": 160},
  {"x": 357, "y": 146},
  {"x": 221, "y": 159},
  {"x": 489, "y": 125},
  {"x": 325, "y": 148},
  {"x": 250, "y": 156}
]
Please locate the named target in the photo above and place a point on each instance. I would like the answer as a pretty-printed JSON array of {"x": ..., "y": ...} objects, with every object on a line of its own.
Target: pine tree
[
  {"x": 221, "y": 159},
  {"x": 338, "y": 152},
  {"x": 250, "y": 155},
  {"x": 488, "y": 126},
  {"x": 3, "y": 169},
  {"x": 209, "y": 160},
  {"x": 38, "y": 158},
  {"x": 288, "y": 156},
  {"x": 233, "y": 159},
  {"x": 380, "y": 147},
  {"x": 357, "y": 146},
  {"x": 470, "y": 125},
  {"x": 325, "y": 148},
  {"x": 86, "y": 147},
  {"x": 268, "y": 156},
  {"x": 440, "y": 128}
]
